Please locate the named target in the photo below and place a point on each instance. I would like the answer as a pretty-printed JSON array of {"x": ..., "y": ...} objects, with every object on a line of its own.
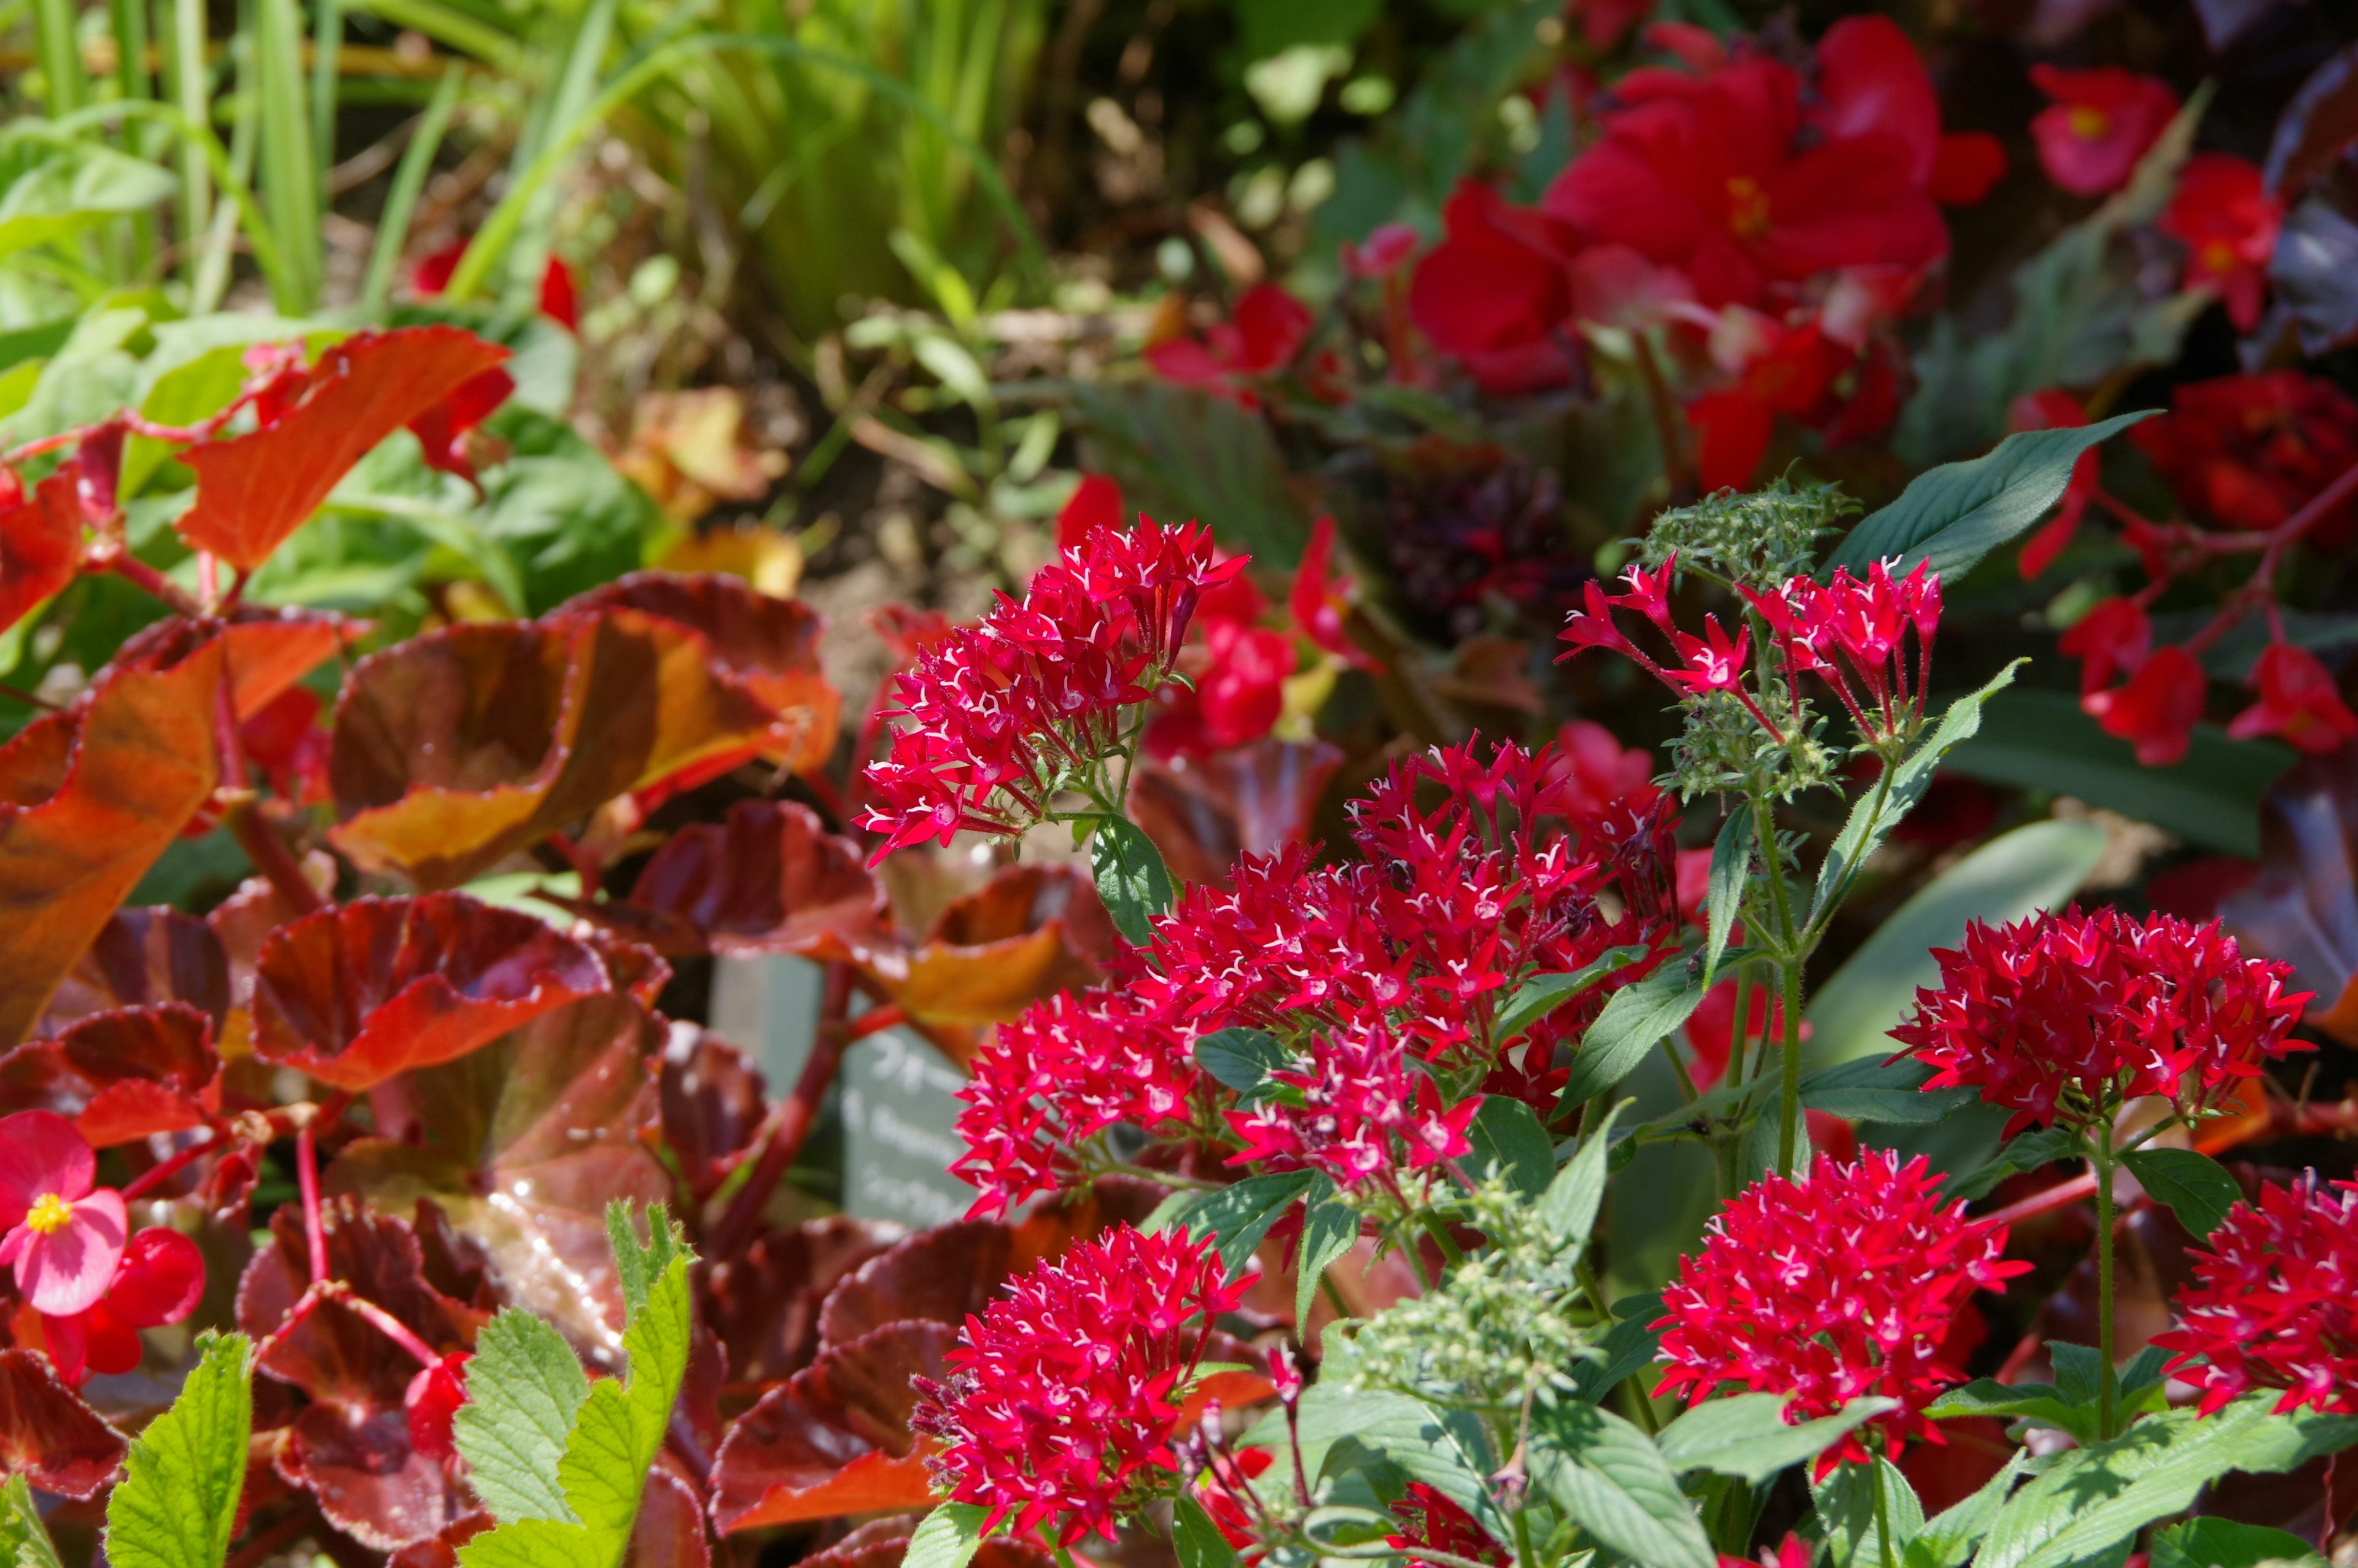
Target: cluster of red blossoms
[
  {"x": 90, "y": 1282},
  {"x": 2063, "y": 1017},
  {"x": 1434, "y": 1519},
  {"x": 1831, "y": 1288},
  {"x": 1474, "y": 874},
  {"x": 1002, "y": 714},
  {"x": 2271, "y": 1306},
  {"x": 1850, "y": 631},
  {"x": 1064, "y": 1391}
]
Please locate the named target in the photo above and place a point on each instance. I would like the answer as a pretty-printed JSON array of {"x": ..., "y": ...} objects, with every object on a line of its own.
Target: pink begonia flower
[{"x": 63, "y": 1238}]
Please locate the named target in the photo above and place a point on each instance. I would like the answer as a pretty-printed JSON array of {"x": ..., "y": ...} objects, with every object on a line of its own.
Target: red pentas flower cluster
[
  {"x": 2274, "y": 1303},
  {"x": 1830, "y": 1288},
  {"x": 1002, "y": 714},
  {"x": 1064, "y": 1392},
  {"x": 1434, "y": 1519},
  {"x": 1475, "y": 874},
  {"x": 2062, "y": 1017}
]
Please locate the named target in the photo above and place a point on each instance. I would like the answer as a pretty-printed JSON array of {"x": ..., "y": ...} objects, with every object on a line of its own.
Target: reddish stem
[
  {"x": 392, "y": 1328},
  {"x": 132, "y": 569},
  {"x": 270, "y": 854},
  {"x": 283, "y": 1533},
  {"x": 792, "y": 1121},
  {"x": 166, "y": 1169},
  {"x": 305, "y": 1305},
  {"x": 875, "y": 1021},
  {"x": 306, "y": 1181}
]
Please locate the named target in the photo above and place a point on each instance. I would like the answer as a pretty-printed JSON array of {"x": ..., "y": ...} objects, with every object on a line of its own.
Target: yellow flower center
[
  {"x": 2089, "y": 124},
  {"x": 2220, "y": 256},
  {"x": 50, "y": 1214},
  {"x": 1748, "y": 206}
]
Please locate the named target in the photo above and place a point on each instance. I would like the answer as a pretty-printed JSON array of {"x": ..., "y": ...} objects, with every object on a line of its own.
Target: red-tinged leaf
[
  {"x": 41, "y": 545},
  {"x": 945, "y": 1275},
  {"x": 442, "y": 1551},
  {"x": 765, "y": 1306},
  {"x": 633, "y": 966},
  {"x": 946, "y": 983},
  {"x": 1235, "y": 1391},
  {"x": 243, "y": 921},
  {"x": 871, "y": 1379},
  {"x": 381, "y": 985},
  {"x": 454, "y": 750},
  {"x": 769, "y": 880},
  {"x": 125, "y": 1074},
  {"x": 447, "y": 430},
  {"x": 255, "y": 489},
  {"x": 1052, "y": 1227},
  {"x": 669, "y": 1532},
  {"x": 264, "y": 650},
  {"x": 1018, "y": 900},
  {"x": 140, "y": 957},
  {"x": 879, "y": 1544},
  {"x": 522, "y": 1144},
  {"x": 768, "y": 645},
  {"x": 88, "y": 797},
  {"x": 48, "y": 1435},
  {"x": 350, "y": 1447},
  {"x": 1203, "y": 813},
  {"x": 874, "y": 1483},
  {"x": 713, "y": 1105}
]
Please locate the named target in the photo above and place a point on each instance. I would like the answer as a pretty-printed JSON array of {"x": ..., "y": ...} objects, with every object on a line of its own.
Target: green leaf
[
  {"x": 2226, "y": 1543},
  {"x": 1131, "y": 881},
  {"x": 1242, "y": 1059},
  {"x": 2035, "y": 867},
  {"x": 948, "y": 1537},
  {"x": 53, "y": 187},
  {"x": 1609, "y": 1478},
  {"x": 1745, "y": 1435},
  {"x": 617, "y": 1430},
  {"x": 1543, "y": 994},
  {"x": 1846, "y": 1506},
  {"x": 1877, "y": 1089},
  {"x": 1954, "y": 515},
  {"x": 1329, "y": 1227},
  {"x": 1950, "y": 1536},
  {"x": 639, "y": 1267},
  {"x": 1879, "y": 810},
  {"x": 2094, "y": 1498},
  {"x": 525, "y": 1388},
  {"x": 1196, "y": 1539},
  {"x": 1635, "y": 1020},
  {"x": 24, "y": 1540},
  {"x": 2041, "y": 1404},
  {"x": 1627, "y": 1347},
  {"x": 1731, "y": 863},
  {"x": 1180, "y": 452},
  {"x": 1509, "y": 1141},
  {"x": 2040, "y": 1146},
  {"x": 2197, "y": 1188},
  {"x": 1444, "y": 1449},
  {"x": 1569, "y": 1207},
  {"x": 1238, "y": 1217},
  {"x": 2041, "y": 739},
  {"x": 176, "y": 1504}
]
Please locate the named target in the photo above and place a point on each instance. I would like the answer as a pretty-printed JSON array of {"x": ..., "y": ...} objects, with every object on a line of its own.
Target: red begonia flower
[
  {"x": 2101, "y": 123},
  {"x": 2274, "y": 1303},
  {"x": 559, "y": 300},
  {"x": 1263, "y": 333},
  {"x": 432, "y": 1402},
  {"x": 1831, "y": 1288},
  {"x": 1495, "y": 294},
  {"x": 1967, "y": 165},
  {"x": 2228, "y": 217},
  {"x": 1062, "y": 1392},
  {"x": 2052, "y": 408},
  {"x": 2064, "y": 1017},
  {"x": 2158, "y": 709},
  {"x": 63, "y": 1238},
  {"x": 2248, "y": 451},
  {"x": 159, "y": 1280},
  {"x": 2112, "y": 639},
  {"x": 2300, "y": 701}
]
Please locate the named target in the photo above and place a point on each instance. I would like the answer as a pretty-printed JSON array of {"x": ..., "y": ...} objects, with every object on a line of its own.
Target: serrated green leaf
[
  {"x": 2197, "y": 1188},
  {"x": 1543, "y": 994},
  {"x": 24, "y": 1538},
  {"x": 639, "y": 1267},
  {"x": 1731, "y": 863},
  {"x": 2094, "y": 1497},
  {"x": 948, "y": 1537},
  {"x": 1193, "y": 1536},
  {"x": 1846, "y": 1506},
  {"x": 176, "y": 1504},
  {"x": 1878, "y": 811},
  {"x": 1637, "y": 1018},
  {"x": 1237, "y": 1217},
  {"x": 1508, "y": 1141},
  {"x": 1745, "y": 1435},
  {"x": 1954, "y": 515},
  {"x": 1329, "y": 1227},
  {"x": 525, "y": 1388},
  {"x": 1132, "y": 882},
  {"x": 2227, "y": 1543},
  {"x": 1242, "y": 1059},
  {"x": 1609, "y": 1478},
  {"x": 1568, "y": 1208},
  {"x": 1949, "y": 1537}
]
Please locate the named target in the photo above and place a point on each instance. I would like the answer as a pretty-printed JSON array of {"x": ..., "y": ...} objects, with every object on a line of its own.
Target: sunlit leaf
[{"x": 178, "y": 1504}]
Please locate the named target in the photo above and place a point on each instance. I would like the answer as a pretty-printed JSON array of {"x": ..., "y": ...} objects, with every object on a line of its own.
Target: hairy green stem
[{"x": 2108, "y": 1388}]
